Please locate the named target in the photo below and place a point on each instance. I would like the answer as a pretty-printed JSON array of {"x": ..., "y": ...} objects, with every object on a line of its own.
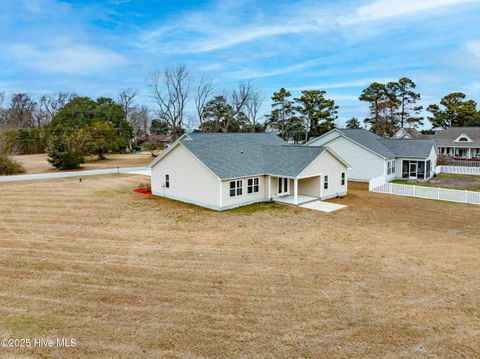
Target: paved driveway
[{"x": 40, "y": 176}]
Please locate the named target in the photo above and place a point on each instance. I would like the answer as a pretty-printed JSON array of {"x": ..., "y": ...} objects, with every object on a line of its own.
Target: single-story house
[
  {"x": 164, "y": 140},
  {"x": 458, "y": 142},
  {"x": 222, "y": 171},
  {"x": 408, "y": 133},
  {"x": 371, "y": 156}
]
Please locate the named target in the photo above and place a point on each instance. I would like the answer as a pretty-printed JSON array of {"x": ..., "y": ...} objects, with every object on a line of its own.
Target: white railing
[
  {"x": 440, "y": 194},
  {"x": 375, "y": 182},
  {"x": 458, "y": 170}
]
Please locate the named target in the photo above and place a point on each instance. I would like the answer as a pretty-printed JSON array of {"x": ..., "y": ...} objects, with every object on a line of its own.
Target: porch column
[
  {"x": 269, "y": 188},
  {"x": 295, "y": 191}
]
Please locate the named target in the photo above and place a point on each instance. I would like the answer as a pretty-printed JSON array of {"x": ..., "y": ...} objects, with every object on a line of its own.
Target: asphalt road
[{"x": 41, "y": 176}]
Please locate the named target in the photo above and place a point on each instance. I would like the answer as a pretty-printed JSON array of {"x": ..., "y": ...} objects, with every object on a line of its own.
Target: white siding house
[
  {"x": 223, "y": 171},
  {"x": 371, "y": 156}
]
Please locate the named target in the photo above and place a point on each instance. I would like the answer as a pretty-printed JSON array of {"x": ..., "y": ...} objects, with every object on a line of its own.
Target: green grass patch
[
  {"x": 258, "y": 207},
  {"x": 29, "y": 326}
]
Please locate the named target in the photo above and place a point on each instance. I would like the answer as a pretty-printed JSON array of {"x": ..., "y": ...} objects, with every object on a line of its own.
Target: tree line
[
  {"x": 394, "y": 105},
  {"x": 69, "y": 127}
]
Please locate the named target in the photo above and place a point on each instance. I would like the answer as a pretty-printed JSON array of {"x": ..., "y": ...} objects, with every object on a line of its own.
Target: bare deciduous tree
[
  {"x": 140, "y": 120},
  {"x": 202, "y": 94},
  {"x": 170, "y": 92},
  {"x": 237, "y": 101},
  {"x": 126, "y": 99},
  {"x": 2, "y": 112},
  {"x": 252, "y": 107},
  {"x": 51, "y": 104},
  {"x": 21, "y": 112}
]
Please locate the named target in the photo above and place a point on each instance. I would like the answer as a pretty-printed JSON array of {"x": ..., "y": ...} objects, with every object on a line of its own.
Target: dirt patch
[
  {"x": 140, "y": 276},
  {"x": 451, "y": 181},
  {"x": 471, "y": 183}
]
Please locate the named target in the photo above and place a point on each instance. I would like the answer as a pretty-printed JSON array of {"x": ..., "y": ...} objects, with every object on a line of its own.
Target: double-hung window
[
  {"x": 236, "y": 188},
  {"x": 325, "y": 182},
  {"x": 253, "y": 185},
  {"x": 390, "y": 167},
  {"x": 343, "y": 179},
  {"x": 167, "y": 181}
]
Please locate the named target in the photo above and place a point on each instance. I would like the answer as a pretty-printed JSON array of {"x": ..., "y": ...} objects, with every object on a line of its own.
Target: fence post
[
  {"x": 414, "y": 190},
  {"x": 466, "y": 193},
  {"x": 438, "y": 193}
]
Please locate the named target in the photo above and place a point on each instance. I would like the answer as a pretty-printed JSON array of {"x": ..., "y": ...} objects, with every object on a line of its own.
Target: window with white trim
[
  {"x": 343, "y": 179},
  {"x": 390, "y": 167},
  {"x": 253, "y": 185},
  {"x": 167, "y": 181},
  {"x": 325, "y": 182},
  {"x": 236, "y": 188}
]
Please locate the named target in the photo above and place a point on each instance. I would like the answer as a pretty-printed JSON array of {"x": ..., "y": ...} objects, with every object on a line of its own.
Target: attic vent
[{"x": 241, "y": 151}]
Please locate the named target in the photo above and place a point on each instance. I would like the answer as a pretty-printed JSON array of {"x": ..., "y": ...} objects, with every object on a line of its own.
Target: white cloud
[
  {"x": 339, "y": 85},
  {"x": 214, "y": 29},
  {"x": 384, "y": 9},
  {"x": 68, "y": 58},
  {"x": 248, "y": 74},
  {"x": 473, "y": 49}
]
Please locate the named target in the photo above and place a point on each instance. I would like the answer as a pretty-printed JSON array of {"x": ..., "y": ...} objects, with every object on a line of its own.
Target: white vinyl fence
[
  {"x": 375, "y": 182},
  {"x": 441, "y": 194},
  {"x": 459, "y": 170}
]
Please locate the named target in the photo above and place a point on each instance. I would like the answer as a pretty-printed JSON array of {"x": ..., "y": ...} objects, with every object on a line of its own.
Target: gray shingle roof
[
  {"x": 408, "y": 148},
  {"x": 242, "y": 154},
  {"x": 447, "y": 137},
  {"x": 389, "y": 148},
  {"x": 369, "y": 140}
]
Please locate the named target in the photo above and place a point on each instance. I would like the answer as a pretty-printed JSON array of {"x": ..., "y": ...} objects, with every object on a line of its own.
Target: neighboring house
[
  {"x": 371, "y": 156},
  {"x": 160, "y": 139},
  {"x": 223, "y": 171},
  {"x": 459, "y": 142},
  {"x": 408, "y": 134}
]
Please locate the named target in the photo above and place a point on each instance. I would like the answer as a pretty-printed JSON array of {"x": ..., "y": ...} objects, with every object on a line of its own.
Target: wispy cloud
[
  {"x": 200, "y": 32},
  {"x": 385, "y": 9},
  {"x": 69, "y": 58},
  {"x": 250, "y": 74}
]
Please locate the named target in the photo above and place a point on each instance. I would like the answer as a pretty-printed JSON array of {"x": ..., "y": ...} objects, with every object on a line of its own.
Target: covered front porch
[
  {"x": 295, "y": 191},
  {"x": 290, "y": 199}
]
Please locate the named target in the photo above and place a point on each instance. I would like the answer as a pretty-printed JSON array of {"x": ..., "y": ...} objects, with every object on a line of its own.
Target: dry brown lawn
[
  {"x": 39, "y": 164},
  {"x": 133, "y": 276}
]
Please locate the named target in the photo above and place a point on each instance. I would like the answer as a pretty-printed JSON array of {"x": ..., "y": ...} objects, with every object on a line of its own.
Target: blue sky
[{"x": 98, "y": 48}]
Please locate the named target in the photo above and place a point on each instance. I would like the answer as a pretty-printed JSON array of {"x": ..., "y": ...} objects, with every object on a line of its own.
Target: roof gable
[{"x": 452, "y": 135}]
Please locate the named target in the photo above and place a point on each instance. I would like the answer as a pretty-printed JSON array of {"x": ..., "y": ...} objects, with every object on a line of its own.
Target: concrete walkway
[{"x": 41, "y": 176}]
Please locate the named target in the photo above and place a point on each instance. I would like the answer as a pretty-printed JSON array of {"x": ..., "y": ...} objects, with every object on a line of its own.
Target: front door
[
  {"x": 282, "y": 186},
  {"x": 413, "y": 170}
]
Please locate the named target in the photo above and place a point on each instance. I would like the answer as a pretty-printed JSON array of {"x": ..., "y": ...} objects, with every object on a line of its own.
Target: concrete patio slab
[
  {"x": 322, "y": 206},
  {"x": 290, "y": 199}
]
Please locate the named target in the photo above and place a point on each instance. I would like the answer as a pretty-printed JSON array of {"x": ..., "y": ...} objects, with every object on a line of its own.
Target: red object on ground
[{"x": 142, "y": 191}]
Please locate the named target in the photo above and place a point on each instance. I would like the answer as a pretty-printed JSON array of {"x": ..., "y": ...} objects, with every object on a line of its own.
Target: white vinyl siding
[
  {"x": 327, "y": 165},
  {"x": 245, "y": 197},
  {"x": 190, "y": 180},
  {"x": 365, "y": 164}
]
